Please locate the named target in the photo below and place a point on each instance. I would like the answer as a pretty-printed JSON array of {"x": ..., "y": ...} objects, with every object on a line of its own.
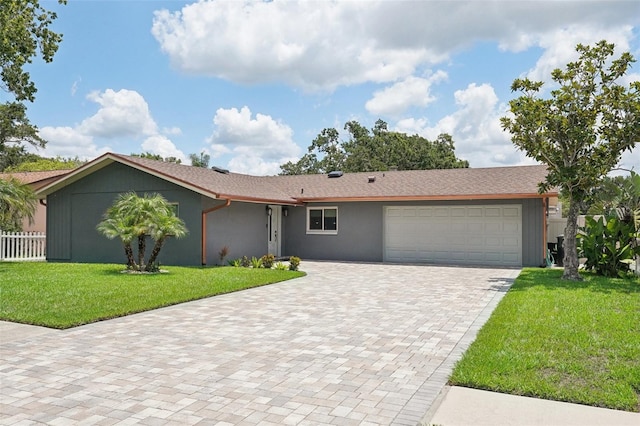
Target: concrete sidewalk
[{"x": 463, "y": 406}]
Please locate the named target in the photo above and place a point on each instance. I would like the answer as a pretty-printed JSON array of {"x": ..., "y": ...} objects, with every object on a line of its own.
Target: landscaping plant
[
  {"x": 132, "y": 217},
  {"x": 294, "y": 263},
  {"x": 608, "y": 246},
  {"x": 267, "y": 260}
]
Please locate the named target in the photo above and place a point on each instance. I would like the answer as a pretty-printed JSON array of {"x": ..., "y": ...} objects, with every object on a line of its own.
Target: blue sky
[{"x": 253, "y": 83}]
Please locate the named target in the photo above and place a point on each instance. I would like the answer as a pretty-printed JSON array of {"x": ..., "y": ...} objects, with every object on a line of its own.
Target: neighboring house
[
  {"x": 36, "y": 180},
  {"x": 490, "y": 216}
]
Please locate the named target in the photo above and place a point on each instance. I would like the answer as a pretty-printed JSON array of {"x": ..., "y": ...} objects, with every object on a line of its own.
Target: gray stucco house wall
[
  {"x": 75, "y": 210},
  {"x": 241, "y": 227},
  {"x": 360, "y": 235}
]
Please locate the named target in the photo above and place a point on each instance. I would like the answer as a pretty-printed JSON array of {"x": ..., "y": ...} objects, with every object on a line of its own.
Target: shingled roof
[
  {"x": 482, "y": 183},
  {"x": 35, "y": 179}
]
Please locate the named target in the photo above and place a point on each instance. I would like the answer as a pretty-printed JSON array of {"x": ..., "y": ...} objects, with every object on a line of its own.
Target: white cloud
[
  {"x": 124, "y": 116},
  {"x": 560, "y": 46},
  {"x": 69, "y": 142},
  {"x": 121, "y": 113},
  {"x": 258, "y": 145},
  {"x": 322, "y": 45},
  {"x": 475, "y": 128},
  {"x": 161, "y": 145},
  {"x": 410, "y": 92}
]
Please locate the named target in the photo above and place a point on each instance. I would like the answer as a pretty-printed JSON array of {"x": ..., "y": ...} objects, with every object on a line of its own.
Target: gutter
[{"x": 204, "y": 228}]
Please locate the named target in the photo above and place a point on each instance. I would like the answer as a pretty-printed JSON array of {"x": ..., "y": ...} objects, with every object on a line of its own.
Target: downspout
[{"x": 204, "y": 228}]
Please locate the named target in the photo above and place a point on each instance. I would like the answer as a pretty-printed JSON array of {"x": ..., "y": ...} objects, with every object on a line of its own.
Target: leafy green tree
[
  {"x": 132, "y": 217},
  {"x": 17, "y": 201},
  {"x": 201, "y": 160},
  {"x": 374, "y": 150},
  {"x": 43, "y": 164},
  {"x": 157, "y": 157},
  {"x": 13, "y": 156},
  {"x": 24, "y": 35},
  {"x": 581, "y": 131}
]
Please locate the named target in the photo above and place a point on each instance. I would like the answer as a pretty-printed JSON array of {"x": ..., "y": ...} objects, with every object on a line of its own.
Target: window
[{"x": 322, "y": 220}]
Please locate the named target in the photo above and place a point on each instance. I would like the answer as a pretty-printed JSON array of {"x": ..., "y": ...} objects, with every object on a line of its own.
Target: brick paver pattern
[{"x": 349, "y": 344}]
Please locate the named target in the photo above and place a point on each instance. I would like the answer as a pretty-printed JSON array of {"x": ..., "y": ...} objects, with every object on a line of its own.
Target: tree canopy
[
  {"x": 377, "y": 149},
  {"x": 580, "y": 131},
  {"x": 25, "y": 34},
  {"x": 201, "y": 160},
  {"x": 38, "y": 164},
  {"x": 158, "y": 157}
]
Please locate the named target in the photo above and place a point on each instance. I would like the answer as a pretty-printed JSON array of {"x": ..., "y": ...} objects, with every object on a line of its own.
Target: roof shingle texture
[{"x": 501, "y": 182}]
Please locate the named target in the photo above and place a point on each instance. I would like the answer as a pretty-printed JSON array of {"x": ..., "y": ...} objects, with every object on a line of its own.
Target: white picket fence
[{"x": 22, "y": 246}]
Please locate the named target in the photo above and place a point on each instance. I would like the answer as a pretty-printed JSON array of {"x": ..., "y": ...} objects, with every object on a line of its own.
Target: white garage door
[{"x": 463, "y": 235}]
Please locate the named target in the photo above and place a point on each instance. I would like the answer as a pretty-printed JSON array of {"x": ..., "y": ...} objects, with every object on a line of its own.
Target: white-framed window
[{"x": 322, "y": 220}]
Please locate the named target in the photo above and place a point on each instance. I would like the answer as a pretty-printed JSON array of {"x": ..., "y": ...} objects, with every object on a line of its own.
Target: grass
[
  {"x": 63, "y": 295},
  {"x": 568, "y": 341}
]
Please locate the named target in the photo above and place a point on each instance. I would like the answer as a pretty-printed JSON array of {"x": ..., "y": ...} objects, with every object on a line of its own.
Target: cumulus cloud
[
  {"x": 410, "y": 92},
  {"x": 161, "y": 145},
  {"x": 475, "y": 128},
  {"x": 121, "y": 113},
  {"x": 257, "y": 145},
  {"x": 69, "y": 142},
  {"x": 322, "y": 45},
  {"x": 560, "y": 46},
  {"x": 123, "y": 116}
]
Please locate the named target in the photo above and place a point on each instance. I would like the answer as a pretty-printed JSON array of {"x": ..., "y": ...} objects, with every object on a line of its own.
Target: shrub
[
  {"x": 235, "y": 263},
  {"x": 267, "y": 260},
  {"x": 256, "y": 263},
  {"x": 281, "y": 266},
  {"x": 607, "y": 246},
  {"x": 245, "y": 262},
  {"x": 294, "y": 262}
]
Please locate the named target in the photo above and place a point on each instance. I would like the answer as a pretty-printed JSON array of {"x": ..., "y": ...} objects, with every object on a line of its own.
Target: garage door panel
[
  {"x": 511, "y": 227},
  {"x": 476, "y": 235}
]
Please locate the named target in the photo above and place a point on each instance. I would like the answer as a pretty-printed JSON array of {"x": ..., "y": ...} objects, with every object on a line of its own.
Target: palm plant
[
  {"x": 166, "y": 225},
  {"x": 134, "y": 217},
  {"x": 17, "y": 201}
]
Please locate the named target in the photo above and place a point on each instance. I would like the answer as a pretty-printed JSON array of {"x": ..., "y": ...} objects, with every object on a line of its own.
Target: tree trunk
[
  {"x": 141, "y": 248},
  {"x": 154, "y": 254},
  {"x": 570, "y": 260},
  {"x": 128, "y": 251}
]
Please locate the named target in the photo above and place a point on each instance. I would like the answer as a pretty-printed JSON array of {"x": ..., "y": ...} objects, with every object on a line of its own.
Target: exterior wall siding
[
  {"x": 59, "y": 227},
  {"x": 360, "y": 230},
  {"x": 241, "y": 227},
  {"x": 76, "y": 209}
]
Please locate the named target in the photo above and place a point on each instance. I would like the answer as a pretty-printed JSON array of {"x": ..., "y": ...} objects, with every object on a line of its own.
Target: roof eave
[
  {"x": 428, "y": 197},
  {"x": 110, "y": 158}
]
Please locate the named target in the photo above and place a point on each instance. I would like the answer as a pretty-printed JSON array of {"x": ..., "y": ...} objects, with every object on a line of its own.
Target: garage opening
[{"x": 463, "y": 235}]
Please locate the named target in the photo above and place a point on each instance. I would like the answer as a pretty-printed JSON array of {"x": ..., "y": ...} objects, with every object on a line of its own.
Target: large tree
[
  {"x": 377, "y": 149},
  {"x": 25, "y": 34},
  {"x": 580, "y": 131}
]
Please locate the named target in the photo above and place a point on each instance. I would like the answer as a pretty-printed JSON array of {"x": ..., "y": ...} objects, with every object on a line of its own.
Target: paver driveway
[{"x": 347, "y": 344}]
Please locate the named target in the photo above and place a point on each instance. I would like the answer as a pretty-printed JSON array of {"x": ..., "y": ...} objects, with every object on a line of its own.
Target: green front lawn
[
  {"x": 565, "y": 341},
  {"x": 63, "y": 295}
]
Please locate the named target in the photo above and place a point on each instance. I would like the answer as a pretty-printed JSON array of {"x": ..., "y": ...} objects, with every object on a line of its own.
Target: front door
[{"x": 274, "y": 231}]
